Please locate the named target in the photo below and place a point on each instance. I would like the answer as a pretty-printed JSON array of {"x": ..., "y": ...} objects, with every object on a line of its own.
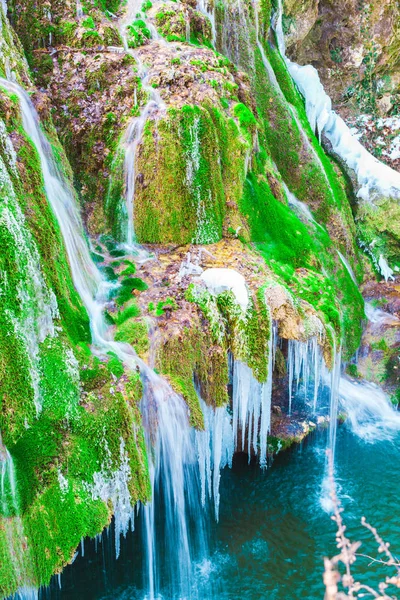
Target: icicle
[
  {"x": 266, "y": 397},
  {"x": 252, "y": 407},
  {"x": 290, "y": 368},
  {"x": 317, "y": 372},
  {"x": 304, "y": 367}
]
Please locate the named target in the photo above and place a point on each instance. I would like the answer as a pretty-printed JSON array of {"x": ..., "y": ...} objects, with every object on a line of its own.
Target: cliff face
[{"x": 208, "y": 160}]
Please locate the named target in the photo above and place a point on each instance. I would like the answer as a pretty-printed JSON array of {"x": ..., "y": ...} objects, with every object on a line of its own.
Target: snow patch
[{"x": 219, "y": 280}]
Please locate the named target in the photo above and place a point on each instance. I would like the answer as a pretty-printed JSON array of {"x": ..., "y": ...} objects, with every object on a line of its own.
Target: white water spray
[{"x": 370, "y": 413}]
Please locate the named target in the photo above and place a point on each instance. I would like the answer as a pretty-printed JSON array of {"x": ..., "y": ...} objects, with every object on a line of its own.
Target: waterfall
[
  {"x": 171, "y": 448},
  {"x": 135, "y": 128},
  {"x": 348, "y": 267},
  {"x": 210, "y": 14},
  {"x": 373, "y": 176},
  {"x": 175, "y": 525},
  {"x": 292, "y": 109},
  {"x": 334, "y": 400},
  {"x": 299, "y": 207},
  {"x": 333, "y": 380},
  {"x": 37, "y": 304},
  {"x": 11, "y": 522},
  {"x": 79, "y": 10}
]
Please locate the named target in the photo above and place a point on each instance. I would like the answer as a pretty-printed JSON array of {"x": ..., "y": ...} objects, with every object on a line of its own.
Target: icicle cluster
[
  {"x": 304, "y": 364},
  {"x": 215, "y": 449}
]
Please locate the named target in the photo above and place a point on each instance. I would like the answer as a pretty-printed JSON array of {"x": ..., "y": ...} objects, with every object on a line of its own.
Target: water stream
[
  {"x": 135, "y": 128},
  {"x": 374, "y": 178}
]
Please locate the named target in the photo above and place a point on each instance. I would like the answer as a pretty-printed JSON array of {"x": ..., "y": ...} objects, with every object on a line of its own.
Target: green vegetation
[{"x": 138, "y": 34}]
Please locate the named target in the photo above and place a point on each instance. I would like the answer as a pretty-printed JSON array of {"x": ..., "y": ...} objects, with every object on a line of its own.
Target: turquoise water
[{"x": 273, "y": 531}]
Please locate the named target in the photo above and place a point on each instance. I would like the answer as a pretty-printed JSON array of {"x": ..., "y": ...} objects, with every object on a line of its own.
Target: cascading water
[
  {"x": 160, "y": 401},
  {"x": 272, "y": 77},
  {"x": 37, "y": 304},
  {"x": 79, "y": 10},
  {"x": 135, "y": 128},
  {"x": 334, "y": 400},
  {"x": 204, "y": 7},
  {"x": 8, "y": 484},
  {"x": 374, "y": 178},
  {"x": 299, "y": 207},
  {"x": 171, "y": 443},
  {"x": 11, "y": 522},
  {"x": 175, "y": 527},
  {"x": 370, "y": 413}
]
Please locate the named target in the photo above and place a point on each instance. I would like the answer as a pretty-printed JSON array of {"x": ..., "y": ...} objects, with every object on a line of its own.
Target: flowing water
[
  {"x": 165, "y": 414},
  {"x": 135, "y": 128}
]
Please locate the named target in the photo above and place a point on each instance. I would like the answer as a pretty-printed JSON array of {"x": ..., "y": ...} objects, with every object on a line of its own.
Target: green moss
[
  {"x": 284, "y": 237},
  {"x": 110, "y": 274},
  {"x": 131, "y": 310},
  {"x": 135, "y": 333},
  {"x": 190, "y": 357},
  {"x": 89, "y": 23},
  {"x": 185, "y": 160},
  {"x": 138, "y": 34},
  {"x": 167, "y": 304},
  {"x": 80, "y": 417},
  {"x": 134, "y": 283},
  {"x": 115, "y": 365},
  {"x": 129, "y": 270}
]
